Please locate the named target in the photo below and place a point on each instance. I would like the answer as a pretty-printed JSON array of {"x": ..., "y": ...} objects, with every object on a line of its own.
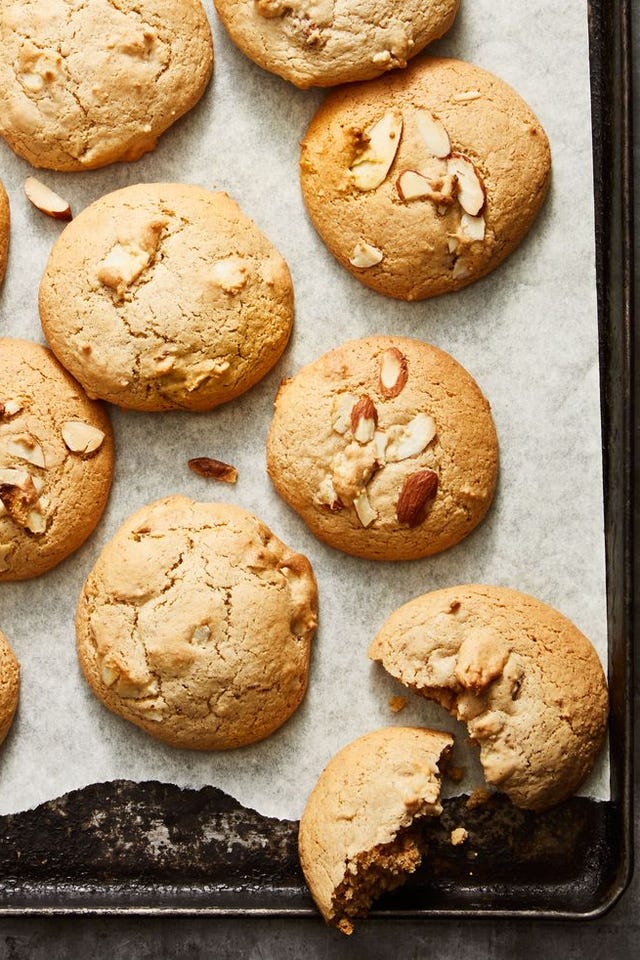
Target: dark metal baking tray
[{"x": 90, "y": 850}]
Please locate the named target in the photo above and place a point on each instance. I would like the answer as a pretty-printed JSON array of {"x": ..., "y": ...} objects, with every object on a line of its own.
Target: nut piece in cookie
[
  {"x": 424, "y": 181},
  {"x": 385, "y": 447},
  {"x": 360, "y": 829},
  {"x": 196, "y": 625},
  {"x": 326, "y": 42},
  {"x": 166, "y": 296},
  {"x": 56, "y": 461},
  {"x": 527, "y": 683},
  {"x": 9, "y": 686},
  {"x": 86, "y": 84}
]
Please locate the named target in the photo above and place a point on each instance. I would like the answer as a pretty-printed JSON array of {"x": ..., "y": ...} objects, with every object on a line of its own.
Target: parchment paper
[{"x": 527, "y": 334}]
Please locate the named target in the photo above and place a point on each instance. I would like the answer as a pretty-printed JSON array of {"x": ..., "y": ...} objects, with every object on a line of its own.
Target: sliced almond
[
  {"x": 418, "y": 490},
  {"x": 364, "y": 419},
  {"x": 25, "y": 448},
  {"x": 471, "y": 195},
  {"x": 365, "y": 255},
  {"x": 466, "y": 95},
  {"x": 433, "y": 133},
  {"x": 394, "y": 372},
  {"x": 327, "y": 496},
  {"x": 473, "y": 227},
  {"x": 46, "y": 200},
  {"x": 36, "y": 522},
  {"x": 380, "y": 441},
  {"x": 9, "y": 408},
  {"x": 81, "y": 437},
  {"x": 411, "y": 185},
  {"x": 366, "y": 513},
  {"x": 461, "y": 270},
  {"x": 20, "y": 499},
  {"x": 412, "y": 439},
  {"x": 371, "y": 167},
  {"x": 453, "y": 243},
  {"x": 342, "y": 407},
  {"x": 108, "y": 675},
  {"x": 201, "y": 634}
]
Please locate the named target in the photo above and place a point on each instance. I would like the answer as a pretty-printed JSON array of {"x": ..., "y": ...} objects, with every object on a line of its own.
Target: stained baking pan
[{"x": 151, "y": 847}]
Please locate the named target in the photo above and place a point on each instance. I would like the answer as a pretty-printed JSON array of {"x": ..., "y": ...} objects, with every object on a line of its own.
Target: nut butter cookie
[
  {"x": 359, "y": 832},
  {"x": 5, "y": 219},
  {"x": 425, "y": 180},
  {"x": 9, "y": 686},
  {"x": 83, "y": 84},
  {"x": 525, "y": 680},
  {"x": 56, "y": 461},
  {"x": 385, "y": 447},
  {"x": 162, "y": 296},
  {"x": 196, "y": 625},
  {"x": 325, "y": 42}
]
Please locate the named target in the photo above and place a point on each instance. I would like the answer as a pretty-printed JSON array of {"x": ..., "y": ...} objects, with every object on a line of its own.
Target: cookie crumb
[
  {"x": 213, "y": 469},
  {"x": 458, "y": 836},
  {"x": 479, "y": 796},
  {"x": 396, "y": 704}
]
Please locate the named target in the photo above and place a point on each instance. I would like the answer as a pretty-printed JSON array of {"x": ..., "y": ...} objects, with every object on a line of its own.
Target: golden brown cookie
[
  {"x": 5, "y": 220},
  {"x": 324, "y": 42},
  {"x": 163, "y": 296},
  {"x": 56, "y": 461},
  {"x": 85, "y": 84},
  {"x": 359, "y": 832},
  {"x": 525, "y": 680},
  {"x": 196, "y": 625},
  {"x": 9, "y": 686},
  {"x": 425, "y": 180},
  {"x": 385, "y": 447}
]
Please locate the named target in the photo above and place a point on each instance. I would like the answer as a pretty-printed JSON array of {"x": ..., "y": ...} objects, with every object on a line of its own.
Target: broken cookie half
[
  {"x": 527, "y": 683},
  {"x": 360, "y": 830}
]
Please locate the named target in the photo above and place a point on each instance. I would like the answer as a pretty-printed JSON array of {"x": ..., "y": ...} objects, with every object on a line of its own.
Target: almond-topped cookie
[
  {"x": 360, "y": 829},
  {"x": 196, "y": 625},
  {"x": 385, "y": 447},
  {"x": 56, "y": 461},
  {"x": 425, "y": 180},
  {"x": 5, "y": 220},
  {"x": 165, "y": 296},
  {"x": 527, "y": 683},
  {"x": 83, "y": 84},
  {"x": 325, "y": 42},
  {"x": 9, "y": 686}
]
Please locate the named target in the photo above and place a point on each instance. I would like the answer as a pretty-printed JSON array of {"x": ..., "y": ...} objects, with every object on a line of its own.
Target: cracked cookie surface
[
  {"x": 325, "y": 42},
  {"x": 196, "y": 625},
  {"x": 354, "y": 838},
  {"x": 5, "y": 220},
  {"x": 423, "y": 181},
  {"x": 84, "y": 83},
  {"x": 9, "y": 686},
  {"x": 166, "y": 296},
  {"x": 385, "y": 447},
  {"x": 56, "y": 461},
  {"x": 527, "y": 683}
]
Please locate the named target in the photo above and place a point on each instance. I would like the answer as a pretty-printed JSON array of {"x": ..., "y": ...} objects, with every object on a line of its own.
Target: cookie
[
  {"x": 359, "y": 832},
  {"x": 9, "y": 686},
  {"x": 163, "y": 296},
  {"x": 56, "y": 461},
  {"x": 5, "y": 220},
  {"x": 385, "y": 447},
  {"x": 196, "y": 624},
  {"x": 525, "y": 680},
  {"x": 85, "y": 84},
  {"x": 423, "y": 181},
  {"x": 321, "y": 43}
]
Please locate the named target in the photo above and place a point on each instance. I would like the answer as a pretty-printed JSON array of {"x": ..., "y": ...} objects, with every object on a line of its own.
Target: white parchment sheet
[{"x": 527, "y": 333}]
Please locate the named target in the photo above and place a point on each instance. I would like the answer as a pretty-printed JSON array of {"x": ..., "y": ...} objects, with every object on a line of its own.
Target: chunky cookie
[
  {"x": 9, "y": 686},
  {"x": 423, "y": 181},
  {"x": 83, "y": 84},
  {"x": 385, "y": 447},
  {"x": 324, "y": 42},
  {"x": 5, "y": 220},
  {"x": 359, "y": 832},
  {"x": 56, "y": 461},
  {"x": 196, "y": 624},
  {"x": 525, "y": 680},
  {"x": 163, "y": 296}
]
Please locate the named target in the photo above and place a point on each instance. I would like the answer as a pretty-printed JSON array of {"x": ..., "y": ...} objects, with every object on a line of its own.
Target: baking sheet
[{"x": 527, "y": 333}]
